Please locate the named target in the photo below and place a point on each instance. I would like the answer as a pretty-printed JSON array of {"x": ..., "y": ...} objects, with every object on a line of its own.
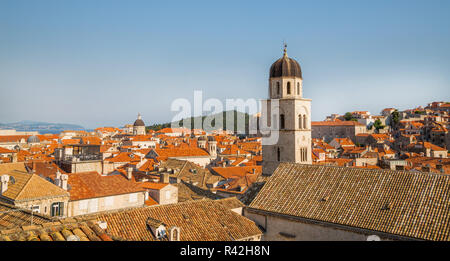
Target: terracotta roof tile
[{"x": 356, "y": 198}]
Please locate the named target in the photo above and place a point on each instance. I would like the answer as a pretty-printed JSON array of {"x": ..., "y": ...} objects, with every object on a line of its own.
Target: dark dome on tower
[
  {"x": 139, "y": 122},
  {"x": 33, "y": 139},
  {"x": 285, "y": 66}
]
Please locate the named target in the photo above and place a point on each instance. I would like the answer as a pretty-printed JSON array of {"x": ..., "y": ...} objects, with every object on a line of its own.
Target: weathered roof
[
  {"x": 200, "y": 220},
  {"x": 25, "y": 186},
  {"x": 12, "y": 216},
  {"x": 414, "y": 205},
  {"x": 7, "y": 167},
  {"x": 86, "y": 185},
  {"x": 64, "y": 230},
  {"x": 285, "y": 66},
  {"x": 336, "y": 123},
  {"x": 230, "y": 203}
]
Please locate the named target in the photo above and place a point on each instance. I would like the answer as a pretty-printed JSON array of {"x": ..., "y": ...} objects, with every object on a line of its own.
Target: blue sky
[{"x": 99, "y": 63}]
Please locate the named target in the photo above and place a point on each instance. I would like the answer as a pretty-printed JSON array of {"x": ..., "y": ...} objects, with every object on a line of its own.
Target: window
[
  {"x": 289, "y": 88},
  {"x": 57, "y": 209},
  {"x": 278, "y": 154},
  {"x": 35, "y": 209},
  {"x": 299, "y": 121},
  {"x": 278, "y": 88},
  {"x": 133, "y": 197},
  {"x": 298, "y": 88},
  {"x": 304, "y": 122},
  {"x": 160, "y": 233},
  {"x": 282, "y": 121}
]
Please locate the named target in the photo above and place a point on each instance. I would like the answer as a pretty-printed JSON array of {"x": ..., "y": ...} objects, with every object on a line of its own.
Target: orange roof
[
  {"x": 123, "y": 157},
  {"x": 70, "y": 141},
  {"x": 4, "y": 150},
  {"x": 150, "y": 202},
  {"x": 153, "y": 185},
  {"x": 13, "y": 138},
  {"x": 344, "y": 141},
  {"x": 174, "y": 130},
  {"x": 338, "y": 162},
  {"x": 380, "y": 136},
  {"x": 91, "y": 140},
  {"x": 92, "y": 185},
  {"x": 148, "y": 165},
  {"x": 181, "y": 152},
  {"x": 234, "y": 150},
  {"x": 336, "y": 123},
  {"x": 431, "y": 146}
]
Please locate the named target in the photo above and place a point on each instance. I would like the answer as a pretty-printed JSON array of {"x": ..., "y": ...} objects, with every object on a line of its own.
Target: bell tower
[{"x": 289, "y": 116}]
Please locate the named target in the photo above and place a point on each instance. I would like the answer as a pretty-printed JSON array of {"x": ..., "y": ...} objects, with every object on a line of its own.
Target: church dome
[
  {"x": 33, "y": 139},
  {"x": 285, "y": 66},
  {"x": 139, "y": 122}
]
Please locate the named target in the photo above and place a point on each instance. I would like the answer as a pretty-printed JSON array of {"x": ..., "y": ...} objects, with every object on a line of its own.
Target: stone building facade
[{"x": 329, "y": 130}]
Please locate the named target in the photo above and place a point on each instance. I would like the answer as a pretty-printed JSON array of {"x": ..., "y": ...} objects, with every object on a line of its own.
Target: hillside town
[{"x": 355, "y": 176}]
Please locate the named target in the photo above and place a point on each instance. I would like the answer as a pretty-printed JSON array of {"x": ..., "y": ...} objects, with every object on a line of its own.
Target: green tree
[
  {"x": 395, "y": 118},
  {"x": 378, "y": 125},
  {"x": 348, "y": 116}
]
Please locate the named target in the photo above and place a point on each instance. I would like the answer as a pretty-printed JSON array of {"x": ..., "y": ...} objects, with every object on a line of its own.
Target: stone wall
[
  {"x": 283, "y": 229},
  {"x": 45, "y": 204},
  {"x": 92, "y": 205}
]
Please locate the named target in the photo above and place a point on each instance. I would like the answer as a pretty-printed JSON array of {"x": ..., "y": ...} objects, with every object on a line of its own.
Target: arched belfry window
[
  {"x": 278, "y": 154},
  {"x": 278, "y": 88},
  {"x": 289, "y": 88},
  {"x": 304, "y": 122},
  {"x": 282, "y": 121},
  {"x": 298, "y": 88},
  {"x": 300, "y": 121}
]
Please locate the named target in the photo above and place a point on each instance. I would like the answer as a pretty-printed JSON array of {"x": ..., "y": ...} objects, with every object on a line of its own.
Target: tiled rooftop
[
  {"x": 414, "y": 205},
  {"x": 201, "y": 220},
  {"x": 64, "y": 230}
]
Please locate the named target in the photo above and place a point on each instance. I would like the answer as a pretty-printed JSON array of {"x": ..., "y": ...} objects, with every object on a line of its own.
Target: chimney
[
  {"x": 253, "y": 171},
  {"x": 129, "y": 173},
  {"x": 224, "y": 164},
  {"x": 164, "y": 178},
  {"x": 64, "y": 179},
  {"x": 4, "y": 185},
  {"x": 58, "y": 179}
]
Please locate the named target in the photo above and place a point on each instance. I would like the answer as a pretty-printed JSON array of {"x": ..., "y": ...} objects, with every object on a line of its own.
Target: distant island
[{"x": 41, "y": 127}]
